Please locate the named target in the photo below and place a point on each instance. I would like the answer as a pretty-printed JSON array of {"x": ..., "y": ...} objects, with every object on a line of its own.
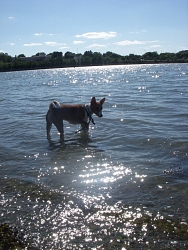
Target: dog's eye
[{"x": 98, "y": 109}]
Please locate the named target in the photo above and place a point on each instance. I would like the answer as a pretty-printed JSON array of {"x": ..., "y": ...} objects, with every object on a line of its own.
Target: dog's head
[{"x": 96, "y": 107}]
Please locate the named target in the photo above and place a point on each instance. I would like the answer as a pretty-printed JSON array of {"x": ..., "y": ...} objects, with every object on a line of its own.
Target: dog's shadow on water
[{"x": 80, "y": 140}]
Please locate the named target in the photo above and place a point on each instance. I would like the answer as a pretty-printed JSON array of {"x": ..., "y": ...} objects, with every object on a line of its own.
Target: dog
[{"x": 73, "y": 113}]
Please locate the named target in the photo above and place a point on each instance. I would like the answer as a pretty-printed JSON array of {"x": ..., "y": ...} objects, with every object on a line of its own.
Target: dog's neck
[
  {"x": 88, "y": 110},
  {"x": 88, "y": 114}
]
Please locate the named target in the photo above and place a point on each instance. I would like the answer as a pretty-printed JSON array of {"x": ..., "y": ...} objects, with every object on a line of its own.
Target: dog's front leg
[{"x": 85, "y": 127}]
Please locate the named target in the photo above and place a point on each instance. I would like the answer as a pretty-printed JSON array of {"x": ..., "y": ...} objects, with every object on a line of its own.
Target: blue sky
[{"x": 119, "y": 26}]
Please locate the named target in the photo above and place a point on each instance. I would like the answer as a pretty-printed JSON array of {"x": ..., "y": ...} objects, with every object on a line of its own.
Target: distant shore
[
  {"x": 89, "y": 58},
  {"x": 80, "y": 66}
]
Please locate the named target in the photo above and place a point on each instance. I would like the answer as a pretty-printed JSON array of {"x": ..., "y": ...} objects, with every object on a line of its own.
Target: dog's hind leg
[
  {"x": 59, "y": 125},
  {"x": 48, "y": 123}
]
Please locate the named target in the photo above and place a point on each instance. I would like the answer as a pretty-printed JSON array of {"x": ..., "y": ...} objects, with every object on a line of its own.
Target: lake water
[{"x": 122, "y": 186}]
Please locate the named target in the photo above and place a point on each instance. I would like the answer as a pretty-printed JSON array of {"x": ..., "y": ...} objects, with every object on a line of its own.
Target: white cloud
[
  {"x": 98, "y": 35},
  {"x": 65, "y": 47},
  {"x": 38, "y": 34},
  {"x": 183, "y": 48},
  {"x": 138, "y": 32},
  {"x": 78, "y": 42},
  {"x": 154, "y": 41},
  {"x": 155, "y": 46},
  {"x": 12, "y": 44},
  {"x": 135, "y": 42},
  {"x": 54, "y": 44},
  {"x": 96, "y": 46},
  {"x": 127, "y": 42},
  {"x": 11, "y": 17},
  {"x": 51, "y": 43},
  {"x": 32, "y": 44}
]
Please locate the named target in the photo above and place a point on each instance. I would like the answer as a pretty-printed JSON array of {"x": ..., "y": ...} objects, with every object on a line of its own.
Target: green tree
[
  {"x": 69, "y": 55},
  {"x": 21, "y": 55},
  {"x": 88, "y": 53},
  {"x": 86, "y": 61},
  {"x": 4, "y": 57},
  {"x": 150, "y": 55},
  {"x": 182, "y": 54},
  {"x": 57, "y": 54},
  {"x": 110, "y": 54},
  {"x": 167, "y": 57},
  {"x": 97, "y": 58}
]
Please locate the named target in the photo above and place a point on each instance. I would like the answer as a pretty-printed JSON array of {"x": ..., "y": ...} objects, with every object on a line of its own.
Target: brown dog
[{"x": 73, "y": 113}]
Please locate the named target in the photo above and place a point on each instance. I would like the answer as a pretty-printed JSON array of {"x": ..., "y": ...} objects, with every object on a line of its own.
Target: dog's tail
[
  {"x": 49, "y": 116},
  {"x": 54, "y": 104}
]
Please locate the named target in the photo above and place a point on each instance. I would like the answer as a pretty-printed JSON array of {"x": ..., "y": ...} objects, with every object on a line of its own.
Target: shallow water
[{"x": 122, "y": 186}]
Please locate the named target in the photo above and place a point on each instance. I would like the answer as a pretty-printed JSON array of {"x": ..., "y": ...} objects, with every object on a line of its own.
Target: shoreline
[{"x": 82, "y": 66}]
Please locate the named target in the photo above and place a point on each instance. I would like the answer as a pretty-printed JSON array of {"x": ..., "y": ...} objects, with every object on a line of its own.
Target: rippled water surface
[{"x": 122, "y": 186}]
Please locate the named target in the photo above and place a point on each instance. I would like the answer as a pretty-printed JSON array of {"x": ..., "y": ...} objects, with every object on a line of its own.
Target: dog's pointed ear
[
  {"x": 102, "y": 101},
  {"x": 93, "y": 100}
]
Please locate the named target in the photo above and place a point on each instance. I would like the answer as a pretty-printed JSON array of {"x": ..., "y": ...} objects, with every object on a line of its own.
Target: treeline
[{"x": 89, "y": 58}]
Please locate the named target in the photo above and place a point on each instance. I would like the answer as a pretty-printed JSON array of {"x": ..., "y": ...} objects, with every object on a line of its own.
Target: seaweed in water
[{"x": 10, "y": 238}]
